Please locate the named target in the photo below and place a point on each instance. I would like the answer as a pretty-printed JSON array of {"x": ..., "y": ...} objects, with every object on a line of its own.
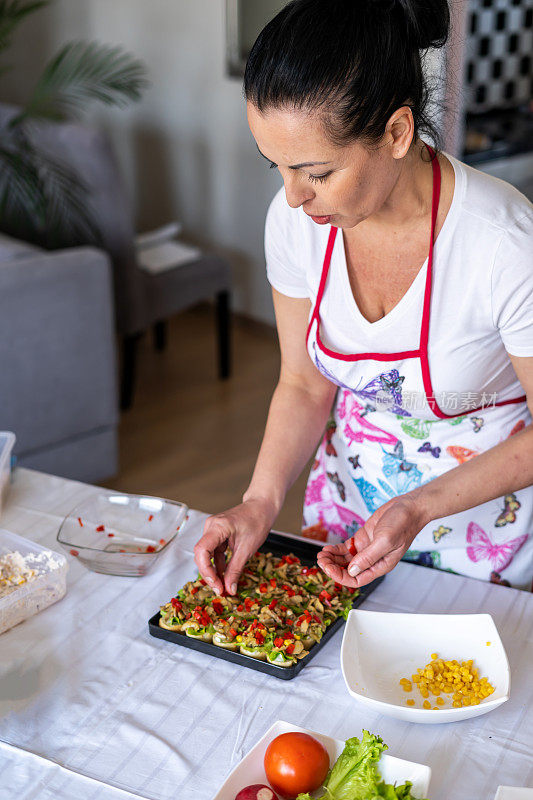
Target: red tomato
[{"x": 295, "y": 762}]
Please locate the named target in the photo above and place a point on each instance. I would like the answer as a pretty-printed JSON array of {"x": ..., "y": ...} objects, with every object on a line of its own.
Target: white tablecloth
[{"x": 91, "y": 706}]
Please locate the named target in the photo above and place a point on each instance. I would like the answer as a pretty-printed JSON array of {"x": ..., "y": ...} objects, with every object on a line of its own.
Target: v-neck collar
[{"x": 417, "y": 285}]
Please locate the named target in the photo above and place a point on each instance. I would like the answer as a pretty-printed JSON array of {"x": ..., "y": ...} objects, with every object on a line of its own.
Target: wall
[{"x": 185, "y": 149}]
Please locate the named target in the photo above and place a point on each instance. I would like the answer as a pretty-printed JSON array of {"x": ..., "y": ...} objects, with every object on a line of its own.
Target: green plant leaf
[
  {"x": 41, "y": 200},
  {"x": 12, "y": 12},
  {"x": 83, "y": 72}
]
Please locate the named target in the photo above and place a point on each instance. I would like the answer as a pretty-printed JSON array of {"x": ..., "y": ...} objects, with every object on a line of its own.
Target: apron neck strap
[{"x": 424, "y": 329}]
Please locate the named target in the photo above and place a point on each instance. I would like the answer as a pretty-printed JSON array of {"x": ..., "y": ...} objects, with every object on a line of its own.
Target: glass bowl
[{"x": 121, "y": 534}]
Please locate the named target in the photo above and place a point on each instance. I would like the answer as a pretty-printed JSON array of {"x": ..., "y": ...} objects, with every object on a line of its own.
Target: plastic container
[
  {"x": 7, "y": 442},
  {"x": 279, "y": 545},
  {"x": 48, "y": 586}
]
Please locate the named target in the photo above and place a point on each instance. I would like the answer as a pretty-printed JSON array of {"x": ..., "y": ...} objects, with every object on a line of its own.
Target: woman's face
[{"x": 337, "y": 185}]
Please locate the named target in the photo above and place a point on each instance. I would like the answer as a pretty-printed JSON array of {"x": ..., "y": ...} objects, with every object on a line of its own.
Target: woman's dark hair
[{"x": 355, "y": 60}]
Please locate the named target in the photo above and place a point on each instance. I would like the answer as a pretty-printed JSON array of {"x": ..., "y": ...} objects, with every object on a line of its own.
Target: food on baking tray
[
  {"x": 14, "y": 571},
  {"x": 355, "y": 776},
  {"x": 281, "y": 609},
  {"x": 256, "y": 792},
  {"x": 296, "y": 762},
  {"x": 460, "y": 679}
]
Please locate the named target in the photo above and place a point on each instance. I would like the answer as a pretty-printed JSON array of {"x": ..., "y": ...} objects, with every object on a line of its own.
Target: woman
[{"x": 403, "y": 291}]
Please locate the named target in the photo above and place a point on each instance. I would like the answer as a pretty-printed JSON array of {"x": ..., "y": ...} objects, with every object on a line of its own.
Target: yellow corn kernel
[
  {"x": 434, "y": 655},
  {"x": 440, "y": 701},
  {"x": 426, "y": 704},
  {"x": 475, "y": 701},
  {"x": 238, "y": 638},
  {"x": 435, "y": 708},
  {"x": 488, "y": 644},
  {"x": 466, "y": 701},
  {"x": 416, "y": 678},
  {"x": 407, "y": 687},
  {"x": 457, "y": 704},
  {"x": 424, "y": 692},
  {"x": 410, "y": 702}
]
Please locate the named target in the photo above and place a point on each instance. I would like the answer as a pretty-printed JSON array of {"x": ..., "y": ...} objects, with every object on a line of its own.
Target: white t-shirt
[{"x": 482, "y": 299}]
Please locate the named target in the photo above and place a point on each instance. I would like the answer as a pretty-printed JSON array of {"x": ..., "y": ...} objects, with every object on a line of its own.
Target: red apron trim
[{"x": 422, "y": 352}]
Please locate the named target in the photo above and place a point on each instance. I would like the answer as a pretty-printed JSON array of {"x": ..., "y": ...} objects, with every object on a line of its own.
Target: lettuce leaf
[{"x": 355, "y": 776}]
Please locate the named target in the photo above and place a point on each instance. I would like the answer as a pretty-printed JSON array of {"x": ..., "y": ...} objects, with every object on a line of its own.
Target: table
[{"x": 92, "y": 706}]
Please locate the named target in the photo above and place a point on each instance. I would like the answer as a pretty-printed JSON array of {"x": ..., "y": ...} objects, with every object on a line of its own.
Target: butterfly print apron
[{"x": 377, "y": 446}]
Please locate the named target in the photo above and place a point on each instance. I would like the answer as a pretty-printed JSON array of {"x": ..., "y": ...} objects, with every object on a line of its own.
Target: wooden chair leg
[
  {"x": 129, "y": 363},
  {"x": 160, "y": 335},
  {"x": 223, "y": 330}
]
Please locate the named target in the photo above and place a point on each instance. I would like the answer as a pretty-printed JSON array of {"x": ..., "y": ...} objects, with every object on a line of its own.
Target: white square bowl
[
  {"x": 251, "y": 770},
  {"x": 379, "y": 648},
  {"x": 513, "y": 793}
]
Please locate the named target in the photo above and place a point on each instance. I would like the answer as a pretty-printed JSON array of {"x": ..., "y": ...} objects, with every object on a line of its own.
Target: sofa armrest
[{"x": 57, "y": 349}]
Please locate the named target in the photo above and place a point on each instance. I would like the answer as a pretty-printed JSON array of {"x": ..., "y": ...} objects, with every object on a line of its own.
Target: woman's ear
[{"x": 400, "y": 130}]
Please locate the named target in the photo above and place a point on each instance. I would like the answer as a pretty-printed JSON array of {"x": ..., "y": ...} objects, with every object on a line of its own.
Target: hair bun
[{"x": 428, "y": 21}]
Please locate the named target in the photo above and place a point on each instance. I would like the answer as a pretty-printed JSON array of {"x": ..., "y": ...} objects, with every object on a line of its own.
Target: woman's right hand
[{"x": 242, "y": 529}]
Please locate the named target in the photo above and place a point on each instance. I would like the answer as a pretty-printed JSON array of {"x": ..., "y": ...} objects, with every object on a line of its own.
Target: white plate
[
  {"x": 379, "y": 648},
  {"x": 251, "y": 770},
  {"x": 513, "y": 793}
]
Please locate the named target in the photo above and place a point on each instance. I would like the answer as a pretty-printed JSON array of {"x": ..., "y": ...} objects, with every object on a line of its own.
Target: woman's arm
[
  {"x": 389, "y": 532},
  {"x": 297, "y": 417},
  {"x": 299, "y": 409}
]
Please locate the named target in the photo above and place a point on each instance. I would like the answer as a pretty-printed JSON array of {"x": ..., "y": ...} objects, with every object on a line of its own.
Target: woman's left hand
[{"x": 377, "y": 547}]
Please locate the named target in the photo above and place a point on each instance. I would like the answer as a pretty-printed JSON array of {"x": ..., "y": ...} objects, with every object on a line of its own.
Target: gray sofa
[{"x": 58, "y": 377}]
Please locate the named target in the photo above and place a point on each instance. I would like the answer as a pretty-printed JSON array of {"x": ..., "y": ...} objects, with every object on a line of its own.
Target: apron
[{"x": 378, "y": 446}]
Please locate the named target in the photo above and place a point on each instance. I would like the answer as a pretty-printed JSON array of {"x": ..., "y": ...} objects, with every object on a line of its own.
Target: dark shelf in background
[{"x": 498, "y": 134}]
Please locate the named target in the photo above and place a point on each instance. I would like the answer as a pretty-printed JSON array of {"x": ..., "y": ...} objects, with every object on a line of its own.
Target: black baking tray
[{"x": 278, "y": 545}]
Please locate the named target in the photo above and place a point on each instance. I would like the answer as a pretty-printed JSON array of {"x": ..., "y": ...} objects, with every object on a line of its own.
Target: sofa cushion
[{"x": 13, "y": 248}]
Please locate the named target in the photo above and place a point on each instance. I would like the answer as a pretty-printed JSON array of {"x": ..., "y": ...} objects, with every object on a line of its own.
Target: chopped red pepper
[
  {"x": 351, "y": 547},
  {"x": 194, "y": 590},
  {"x": 73, "y": 552},
  {"x": 232, "y": 632},
  {"x": 248, "y": 603},
  {"x": 263, "y": 588},
  {"x": 272, "y": 605},
  {"x": 283, "y": 608},
  {"x": 162, "y": 542},
  {"x": 218, "y": 607},
  {"x": 150, "y": 518},
  {"x": 240, "y": 607},
  {"x": 80, "y": 522},
  {"x": 278, "y": 641},
  {"x": 259, "y": 638},
  {"x": 273, "y": 582},
  {"x": 100, "y": 528},
  {"x": 110, "y": 535},
  {"x": 121, "y": 551},
  {"x": 290, "y": 648},
  {"x": 289, "y": 621},
  {"x": 150, "y": 549},
  {"x": 324, "y": 595},
  {"x": 288, "y": 635},
  {"x": 176, "y": 604},
  {"x": 202, "y": 581}
]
